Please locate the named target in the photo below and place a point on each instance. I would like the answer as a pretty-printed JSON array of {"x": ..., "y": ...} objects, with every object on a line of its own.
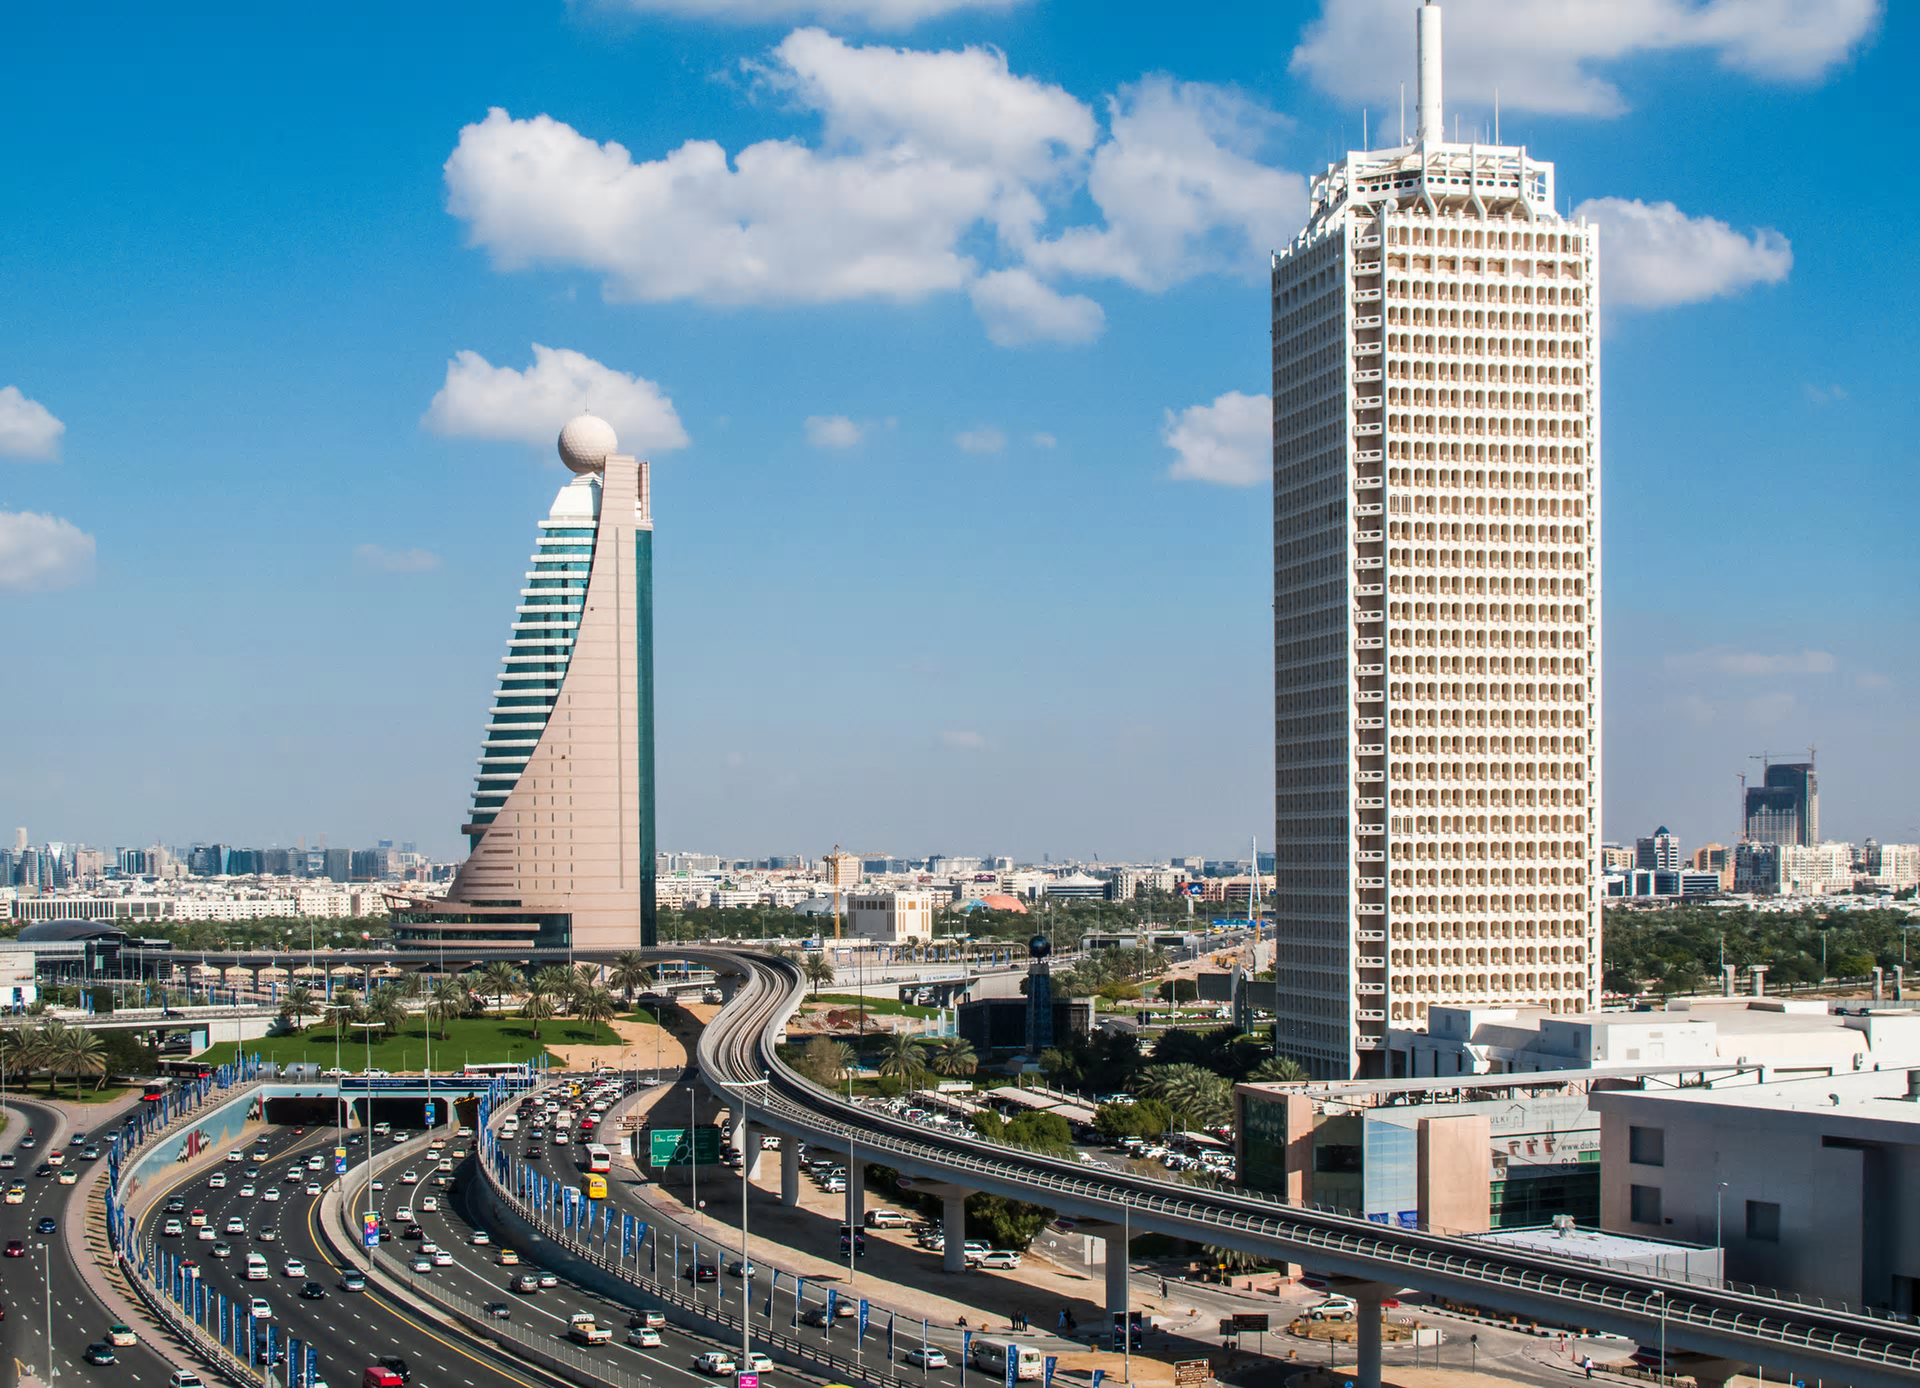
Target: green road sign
[{"x": 668, "y": 1146}]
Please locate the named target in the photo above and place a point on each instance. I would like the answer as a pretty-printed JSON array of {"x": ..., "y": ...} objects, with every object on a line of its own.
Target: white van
[
  {"x": 257, "y": 1267},
  {"x": 990, "y": 1356}
]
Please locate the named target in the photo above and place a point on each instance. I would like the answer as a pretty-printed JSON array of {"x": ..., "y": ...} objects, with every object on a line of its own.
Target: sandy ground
[{"x": 643, "y": 1046}]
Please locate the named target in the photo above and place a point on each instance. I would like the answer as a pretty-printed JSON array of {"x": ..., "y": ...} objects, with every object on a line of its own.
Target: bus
[
  {"x": 594, "y": 1188},
  {"x": 493, "y": 1067},
  {"x": 599, "y": 1159}
]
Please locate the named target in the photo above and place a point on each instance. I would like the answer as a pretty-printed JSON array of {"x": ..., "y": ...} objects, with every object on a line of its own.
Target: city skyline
[{"x": 257, "y": 528}]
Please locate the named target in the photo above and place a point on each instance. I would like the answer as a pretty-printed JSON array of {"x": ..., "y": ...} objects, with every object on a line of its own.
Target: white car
[
  {"x": 172, "y": 1229},
  {"x": 247, "y": 1191},
  {"x": 431, "y": 1204},
  {"x": 257, "y": 1308},
  {"x": 423, "y": 1265},
  {"x": 217, "y": 1181},
  {"x": 313, "y": 1188},
  {"x": 644, "y": 1337},
  {"x": 236, "y": 1156},
  {"x": 999, "y": 1258},
  {"x": 403, "y": 1215},
  {"x": 927, "y": 1357},
  {"x": 236, "y": 1225},
  {"x": 429, "y": 1248},
  {"x": 409, "y": 1178},
  {"x": 271, "y": 1194},
  {"x": 334, "y": 1073},
  {"x": 205, "y": 1233},
  {"x": 479, "y": 1237},
  {"x": 443, "y": 1259},
  {"x": 293, "y": 1267}
]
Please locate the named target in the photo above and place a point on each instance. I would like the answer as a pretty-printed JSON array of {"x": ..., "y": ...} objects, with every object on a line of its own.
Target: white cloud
[
  {"x": 833, "y": 431},
  {"x": 1229, "y": 441},
  {"x": 985, "y": 439},
  {"x": 27, "y": 427},
  {"x": 1546, "y": 55},
  {"x": 1179, "y": 191},
  {"x": 934, "y": 173},
  {"x": 880, "y": 14},
  {"x": 1042, "y": 440},
  {"x": 1824, "y": 395},
  {"x": 1653, "y": 255},
  {"x": 1725, "y": 660},
  {"x": 1019, "y": 309},
  {"x": 396, "y": 561},
  {"x": 963, "y": 740},
  {"x": 483, "y": 401},
  {"x": 40, "y": 553}
]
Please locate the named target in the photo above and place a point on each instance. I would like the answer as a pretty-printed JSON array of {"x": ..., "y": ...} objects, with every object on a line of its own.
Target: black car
[
  {"x": 176, "y": 1207},
  {"x": 395, "y": 1365},
  {"x": 499, "y": 1310},
  {"x": 313, "y": 1291},
  {"x": 260, "y": 1355},
  {"x": 413, "y": 1231},
  {"x": 535, "y": 1154},
  {"x": 705, "y": 1272},
  {"x": 48, "y": 1225},
  {"x": 100, "y": 1353},
  {"x": 43, "y": 1170}
]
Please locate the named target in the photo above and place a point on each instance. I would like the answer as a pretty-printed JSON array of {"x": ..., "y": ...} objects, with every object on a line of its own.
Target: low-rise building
[{"x": 891, "y": 917}]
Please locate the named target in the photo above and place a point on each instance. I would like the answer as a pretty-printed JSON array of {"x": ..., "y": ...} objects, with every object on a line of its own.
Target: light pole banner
[{"x": 1052, "y": 1362}]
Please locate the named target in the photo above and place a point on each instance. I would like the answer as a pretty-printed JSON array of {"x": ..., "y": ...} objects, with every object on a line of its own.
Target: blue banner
[
  {"x": 864, "y": 1312},
  {"x": 890, "y": 1320},
  {"x": 1013, "y": 1363},
  {"x": 799, "y": 1295},
  {"x": 833, "y": 1306},
  {"x": 1051, "y": 1362},
  {"x": 313, "y": 1367},
  {"x": 773, "y": 1282},
  {"x": 626, "y": 1237},
  {"x": 966, "y": 1354},
  {"x": 1098, "y": 1374}
]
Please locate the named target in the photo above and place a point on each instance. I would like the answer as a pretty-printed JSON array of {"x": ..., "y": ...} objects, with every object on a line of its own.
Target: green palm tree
[
  {"x": 82, "y": 1052},
  {"x": 1279, "y": 1069},
  {"x": 819, "y": 970},
  {"x": 955, "y": 1058},
  {"x": 501, "y": 978},
  {"x": 297, "y": 1005},
  {"x": 388, "y": 1009},
  {"x": 1197, "y": 1096},
  {"x": 474, "y": 984},
  {"x": 596, "y": 1005},
  {"x": 553, "y": 983},
  {"x": 447, "y": 1000},
  {"x": 536, "y": 1009},
  {"x": 901, "y": 1057},
  {"x": 630, "y": 972},
  {"x": 827, "y": 1061},
  {"x": 347, "y": 1006}
]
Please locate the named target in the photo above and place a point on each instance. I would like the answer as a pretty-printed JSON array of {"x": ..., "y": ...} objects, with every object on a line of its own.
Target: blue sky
[{"x": 940, "y": 322}]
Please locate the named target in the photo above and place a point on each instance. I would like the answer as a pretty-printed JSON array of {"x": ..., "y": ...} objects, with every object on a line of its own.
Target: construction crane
[{"x": 833, "y": 877}]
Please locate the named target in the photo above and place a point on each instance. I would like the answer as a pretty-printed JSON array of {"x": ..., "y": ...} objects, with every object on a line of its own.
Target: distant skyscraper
[
  {"x": 1436, "y": 491},
  {"x": 1659, "y": 852},
  {"x": 562, "y": 825},
  {"x": 1785, "y": 807}
]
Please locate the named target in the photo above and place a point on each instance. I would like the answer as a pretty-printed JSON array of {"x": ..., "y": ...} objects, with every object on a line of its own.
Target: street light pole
[
  {"x": 46, "y": 1274},
  {"x": 1661, "y": 1297},
  {"x": 746, "y": 1263}
]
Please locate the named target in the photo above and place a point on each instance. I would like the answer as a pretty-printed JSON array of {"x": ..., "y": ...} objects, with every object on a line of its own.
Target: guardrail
[
  {"x": 740, "y": 1046},
  {"x": 777, "y": 1343}
]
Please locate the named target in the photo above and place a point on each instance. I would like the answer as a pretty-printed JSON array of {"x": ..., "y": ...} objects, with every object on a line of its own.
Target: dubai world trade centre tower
[
  {"x": 561, "y": 830},
  {"x": 1436, "y": 492}
]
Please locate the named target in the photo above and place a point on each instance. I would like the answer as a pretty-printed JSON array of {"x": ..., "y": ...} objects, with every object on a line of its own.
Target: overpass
[
  {"x": 1732, "y": 1323},
  {"x": 242, "y": 1022}
]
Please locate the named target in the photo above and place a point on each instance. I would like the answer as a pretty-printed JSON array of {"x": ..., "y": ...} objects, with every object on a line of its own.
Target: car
[
  {"x": 431, "y": 1204},
  {"x": 736, "y": 1268},
  {"x": 926, "y": 1357},
  {"x": 507, "y": 1258},
  {"x": 90, "y": 1154},
  {"x": 459, "y": 1154},
  {"x": 999, "y": 1258},
  {"x": 480, "y": 1237},
  {"x": 205, "y": 1233},
  {"x": 313, "y": 1188},
  {"x": 351, "y": 1281},
  {"x": 316, "y": 1162},
  {"x": 1334, "y": 1308},
  {"x": 396, "y": 1366},
  {"x": 499, "y": 1311},
  {"x": 413, "y": 1231},
  {"x": 443, "y": 1259},
  {"x": 261, "y": 1153},
  {"x": 376, "y": 1185},
  {"x": 173, "y": 1228},
  {"x": 375, "y": 1072},
  {"x": 548, "y": 1281},
  {"x": 716, "y": 1362},
  {"x": 121, "y": 1336},
  {"x": 184, "y": 1378},
  {"x": 294, "y": 1176},
  {"x": 247, "y": 1191},
  {"x": 533, "y": 1153},
  {"x": 100, "y": 1353},
  {"x": 221, "y": 1250},
  {"x": 69, "y": 1177},
  {"x": 197, "y": 1218},
  {"x": 409, "y": 1178},
  {"x": 271, "y": 1195},
  {"x": 217, "y": 1181},
  {"x": 251, "y": 1173},
  {"x": 268, "y": 1234},
  {"x": 526, "y": 1284},
  {"x": 293, "y": 1267},
  {"x": 56, "y": 1158},
  {"x": 403, "y": 1215},
  {"x": 43, "y": 1170},
  {"x": 423, "y": 1265},
  {"x": 429, "y": 1248},
  {"x": 26, "y": 1143},
  {"x": 176, "y": 1206},
  {"x": 236, "y": 1156},
  {"x": 47, "y": 1225},
  {"x": 258, "y": 1308},
  {"x": 189, "y": 1267},
  {"x": 644, "y": 1337},
  {"x": 8, "y": 1161},
  {"x": 705, "y": 1272},
  {"x": 334, "y": 1072},
  {"x": 313, "y": 1291},
  {"x": 236, "y": 1225},
  {"x": 17, "y": 1195}
]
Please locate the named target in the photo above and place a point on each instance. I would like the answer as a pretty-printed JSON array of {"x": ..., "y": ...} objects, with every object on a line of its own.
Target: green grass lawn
[
  {"x": 478, "y": 1040},
  {"x": 879, "y": 1006},
  {"x": 641, "y": 1014}
]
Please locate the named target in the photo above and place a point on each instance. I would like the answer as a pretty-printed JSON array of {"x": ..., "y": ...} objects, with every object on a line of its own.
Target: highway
[
  {"x": 349, "y": 1330},
  {"x": 78, "y": 1320}
]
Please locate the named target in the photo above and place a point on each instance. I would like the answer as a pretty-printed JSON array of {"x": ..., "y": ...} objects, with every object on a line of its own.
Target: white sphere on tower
[{"x": 586, "y": 442}]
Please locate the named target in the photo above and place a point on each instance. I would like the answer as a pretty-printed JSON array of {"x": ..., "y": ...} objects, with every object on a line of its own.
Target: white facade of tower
[{"x": 1436, "y": 477}]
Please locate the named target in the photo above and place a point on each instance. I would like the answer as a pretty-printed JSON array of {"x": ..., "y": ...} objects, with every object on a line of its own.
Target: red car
[{"x": 16, "y": 1249}]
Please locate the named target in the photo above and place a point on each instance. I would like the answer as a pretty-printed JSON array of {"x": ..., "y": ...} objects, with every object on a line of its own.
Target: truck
[{"x": 589, "y": 1333}]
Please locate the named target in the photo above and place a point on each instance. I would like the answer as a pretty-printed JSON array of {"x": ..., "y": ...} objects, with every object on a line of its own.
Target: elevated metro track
[{"x": 1736, "y": 1324}]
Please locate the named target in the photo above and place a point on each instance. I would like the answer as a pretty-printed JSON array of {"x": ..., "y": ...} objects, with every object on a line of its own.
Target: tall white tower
[{"x": 1436, "y": 492}]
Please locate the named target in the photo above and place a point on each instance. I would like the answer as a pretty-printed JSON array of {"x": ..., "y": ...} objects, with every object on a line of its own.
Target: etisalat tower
[
  {"x": 562, "y": 824},
  {"x": 1436, "y": 496}
]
